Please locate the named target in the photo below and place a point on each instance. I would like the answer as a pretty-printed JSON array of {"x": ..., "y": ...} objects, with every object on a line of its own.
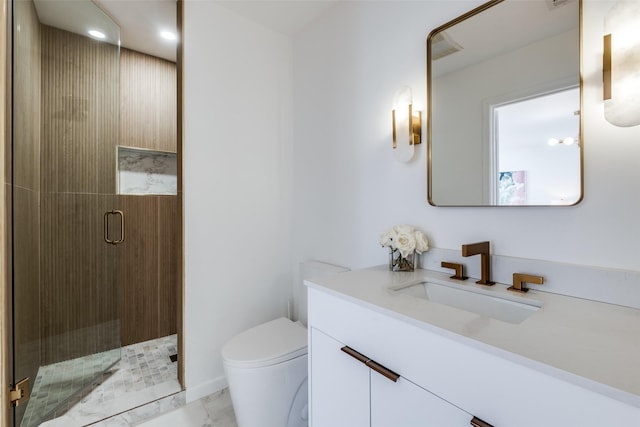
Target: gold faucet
[
  {"x": 519, "y": 280},
  {"x": 482, "y": 249},
  {"x": 459, "y": 269}
]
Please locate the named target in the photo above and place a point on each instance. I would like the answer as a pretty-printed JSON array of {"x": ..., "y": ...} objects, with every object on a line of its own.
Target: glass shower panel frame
[{"x": 65, "y": 284}]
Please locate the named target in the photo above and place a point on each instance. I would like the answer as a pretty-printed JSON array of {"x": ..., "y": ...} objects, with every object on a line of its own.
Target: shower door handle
[
  {"x": 106, "y": 227},
  {"x": 121, "y": 215}
]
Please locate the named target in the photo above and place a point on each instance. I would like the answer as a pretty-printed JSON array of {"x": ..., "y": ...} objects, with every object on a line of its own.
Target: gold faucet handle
[
  {"x": 519, "y": 280},
  {"x": 459, "y": 269}
]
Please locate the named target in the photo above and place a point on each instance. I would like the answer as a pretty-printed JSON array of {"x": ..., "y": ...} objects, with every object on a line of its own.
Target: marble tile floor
[
  {"x": 144, "y": 374},
  {"x": 214, "y": 410}
]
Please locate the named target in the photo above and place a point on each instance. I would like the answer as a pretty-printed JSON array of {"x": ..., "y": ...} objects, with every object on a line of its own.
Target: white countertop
[{"x": 592, "y": 344}]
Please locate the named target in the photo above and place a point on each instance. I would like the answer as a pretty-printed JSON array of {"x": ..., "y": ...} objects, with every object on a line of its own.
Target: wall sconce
[
  {"x": 407, "y": 125},
  {"x": 621, "y": 64}
]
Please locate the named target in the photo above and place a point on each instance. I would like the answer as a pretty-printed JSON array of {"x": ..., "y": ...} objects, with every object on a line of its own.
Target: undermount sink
[{"x": 506, "y": 310}]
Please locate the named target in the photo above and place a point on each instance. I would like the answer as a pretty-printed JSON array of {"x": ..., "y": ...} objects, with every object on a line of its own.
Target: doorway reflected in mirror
[{"x": 539, "y": 135}]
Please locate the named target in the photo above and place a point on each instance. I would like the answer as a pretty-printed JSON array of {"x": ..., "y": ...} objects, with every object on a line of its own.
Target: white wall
[
  {"x": 348, "y": 188},
  {"x": 237, "y": 183},
  {"x": 346, "y": 185},
  {"x": 552, "y": 173}
]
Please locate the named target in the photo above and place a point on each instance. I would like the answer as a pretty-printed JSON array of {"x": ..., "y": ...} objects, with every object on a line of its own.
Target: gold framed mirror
[{"x": 504, "y": 93}]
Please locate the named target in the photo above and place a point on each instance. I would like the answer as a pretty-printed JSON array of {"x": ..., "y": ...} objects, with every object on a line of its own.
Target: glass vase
[{"x": 399, "y": 263}]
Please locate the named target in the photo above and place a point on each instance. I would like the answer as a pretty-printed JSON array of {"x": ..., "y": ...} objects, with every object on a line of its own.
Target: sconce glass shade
[
  {"x": 406, "y": 125},
  {"x": 621, "y": 65}
]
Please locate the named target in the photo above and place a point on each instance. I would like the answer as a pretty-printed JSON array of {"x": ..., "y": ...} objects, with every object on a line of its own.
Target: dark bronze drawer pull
[
  {"x": 388, "y": 373},
  {"x": 358, "y": 356},
  {"x": 477, "y": 422}
]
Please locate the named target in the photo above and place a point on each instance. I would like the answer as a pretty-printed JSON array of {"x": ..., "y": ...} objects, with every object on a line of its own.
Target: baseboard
[{"x": 201, "y": 390}]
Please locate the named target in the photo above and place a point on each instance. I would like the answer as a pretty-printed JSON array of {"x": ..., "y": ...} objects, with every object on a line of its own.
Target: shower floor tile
[{"x": 145, "y": 373}]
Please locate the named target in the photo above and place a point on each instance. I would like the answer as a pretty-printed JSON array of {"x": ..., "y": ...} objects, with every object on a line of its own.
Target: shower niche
[{"x": 146, "y": 172}]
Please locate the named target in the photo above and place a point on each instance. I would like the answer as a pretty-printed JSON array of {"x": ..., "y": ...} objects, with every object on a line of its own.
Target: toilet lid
[{"x": 267, "y": 344}]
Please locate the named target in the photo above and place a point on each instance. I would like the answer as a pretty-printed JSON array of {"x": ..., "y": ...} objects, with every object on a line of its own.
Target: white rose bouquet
[{"x": 404, "y": 241}]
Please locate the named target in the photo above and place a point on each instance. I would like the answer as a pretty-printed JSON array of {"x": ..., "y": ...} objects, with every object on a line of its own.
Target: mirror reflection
[{"x": 504, "y": 106}]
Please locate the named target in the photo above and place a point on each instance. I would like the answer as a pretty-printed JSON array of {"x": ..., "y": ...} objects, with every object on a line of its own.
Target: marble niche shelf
[{"x": 144, "y": 172}]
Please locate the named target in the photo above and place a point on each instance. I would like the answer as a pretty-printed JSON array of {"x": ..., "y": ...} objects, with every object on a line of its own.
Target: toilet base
[{"x": 270, "y": 396}]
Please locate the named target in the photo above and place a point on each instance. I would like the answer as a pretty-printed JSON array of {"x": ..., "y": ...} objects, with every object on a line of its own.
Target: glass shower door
[{"x": 65, "y": 108}]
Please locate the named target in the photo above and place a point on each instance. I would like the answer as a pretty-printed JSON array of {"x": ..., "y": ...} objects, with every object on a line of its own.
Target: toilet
[
  {"x": 266, "y": 366},
  {"x": 266, "y": 369}
]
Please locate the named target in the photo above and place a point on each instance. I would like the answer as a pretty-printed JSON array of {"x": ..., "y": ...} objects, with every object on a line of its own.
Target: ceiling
[
  {"x": 503, "y": 28},
  {"x": 141, "y": 21}
]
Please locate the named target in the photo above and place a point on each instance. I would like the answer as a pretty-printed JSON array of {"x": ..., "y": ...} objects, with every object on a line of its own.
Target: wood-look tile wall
[
  {"x": 79, "y": 113},
  {"x": 71, "y": 281},
  {"x": 26, "y": 92},
  {"x": 149, "y": 106},
  {"x": 80, "y": 285},
  {"x": 147, "y": 268},
  {"x": 168, "y": 253},
  {"x": 5, "y": 359},
  {"x": 79, "y": 110},
  {"x": 26, "y": 191},
  {"x": 149, "y": 255}
]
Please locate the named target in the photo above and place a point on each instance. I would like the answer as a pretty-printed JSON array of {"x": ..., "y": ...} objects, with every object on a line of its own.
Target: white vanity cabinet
[
  {"x": 403, "y": 403},
  {"x": 340, "y": 385},
  {"x": 347, "y": 393},
  {"x": 445, "y": 380}
]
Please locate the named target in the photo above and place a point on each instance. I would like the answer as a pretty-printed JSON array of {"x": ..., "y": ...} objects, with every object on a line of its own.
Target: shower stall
[
  {"x": 93, "y": 200},
  {"x": 66, "y": 224}
]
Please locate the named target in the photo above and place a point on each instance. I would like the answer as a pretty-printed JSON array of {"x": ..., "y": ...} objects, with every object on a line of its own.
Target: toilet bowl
[{"x": 266, "y": 369}]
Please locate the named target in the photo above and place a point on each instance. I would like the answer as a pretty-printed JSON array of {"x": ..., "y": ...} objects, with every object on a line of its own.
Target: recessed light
[
  {"x": 168, "y": 35},
  {"x": 97, "y": 34}
]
